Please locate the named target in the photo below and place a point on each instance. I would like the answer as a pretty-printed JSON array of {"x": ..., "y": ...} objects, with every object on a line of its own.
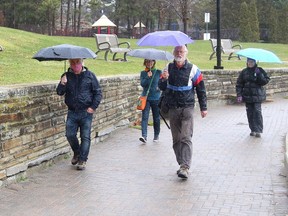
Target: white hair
[{"x": 183, "y": 46}]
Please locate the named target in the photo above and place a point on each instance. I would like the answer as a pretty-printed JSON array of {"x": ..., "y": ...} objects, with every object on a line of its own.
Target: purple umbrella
[{"x": 165, "y": 38}]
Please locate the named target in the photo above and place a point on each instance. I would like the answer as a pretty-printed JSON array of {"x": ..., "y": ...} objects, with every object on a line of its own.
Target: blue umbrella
[
  {"x": 165, "y": 38},
  {"x": 260, "y": 55},
  {"x": 151, "y": 54}
]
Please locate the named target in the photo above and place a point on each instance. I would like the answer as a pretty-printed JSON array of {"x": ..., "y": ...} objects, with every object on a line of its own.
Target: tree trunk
[
  {"x": 79, "y": 18},
  {"x": 61, "y": 17},
  {"x": 67, "y": 17},
  {"x": 74, "y": 18}
]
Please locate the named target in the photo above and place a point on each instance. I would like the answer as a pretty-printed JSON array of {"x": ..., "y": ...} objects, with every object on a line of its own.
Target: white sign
[
  {"x": 207, "y": 17},
  {"x": 206, "y": 36}
]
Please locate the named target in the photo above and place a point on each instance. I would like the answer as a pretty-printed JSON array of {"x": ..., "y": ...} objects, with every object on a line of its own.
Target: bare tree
[
  {"x": 79, "y": 17},
  {"x": 67, "y": 17}
]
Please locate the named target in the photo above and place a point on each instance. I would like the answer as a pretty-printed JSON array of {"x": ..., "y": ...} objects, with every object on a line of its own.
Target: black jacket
[
  {"x": 250, "y": 84},
  {"x": 179, "y": 79},
  {"x": 81, "y": 91}
]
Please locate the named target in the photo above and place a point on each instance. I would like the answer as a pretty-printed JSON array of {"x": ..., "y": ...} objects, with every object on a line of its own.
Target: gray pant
[{"x": 181, "y": 123}]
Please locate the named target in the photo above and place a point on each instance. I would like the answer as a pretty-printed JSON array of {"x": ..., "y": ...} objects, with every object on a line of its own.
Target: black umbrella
[{"x": 64, "y": 52}]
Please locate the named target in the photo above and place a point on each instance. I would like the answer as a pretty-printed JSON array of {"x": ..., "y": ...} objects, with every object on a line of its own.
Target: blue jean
[
  {"x": 153, "y": 104},
  {"x": 79, "y": 120}
]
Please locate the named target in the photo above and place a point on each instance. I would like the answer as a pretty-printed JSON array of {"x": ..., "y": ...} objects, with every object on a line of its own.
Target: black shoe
[
  {"x": 252, "y": 134},
  {"x": 75, "y": 159}
]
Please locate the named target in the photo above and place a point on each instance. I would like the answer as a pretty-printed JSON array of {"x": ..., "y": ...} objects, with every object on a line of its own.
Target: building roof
[
  {"x": 138, "y": 25},
  {"x": 103, "y": 21}
]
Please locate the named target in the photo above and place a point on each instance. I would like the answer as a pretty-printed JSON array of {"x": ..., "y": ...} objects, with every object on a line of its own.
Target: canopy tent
[
  {"x": 139, "y": 32},
  {"x": 104, "y": 22},
  {"x": 138, "y": 25}
]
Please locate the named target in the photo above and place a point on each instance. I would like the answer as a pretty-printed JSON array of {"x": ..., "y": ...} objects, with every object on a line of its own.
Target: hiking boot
[
  {"x": 143, "y": 139},
  {"x": 156, "y": 139},
  {"x": 81, "y": 165},
  {"x": 258, "y": 135},
  {"x": 252, "y": 134},
  {"x": 183, "y": 173},
  {"x": 75, "y": 159}
]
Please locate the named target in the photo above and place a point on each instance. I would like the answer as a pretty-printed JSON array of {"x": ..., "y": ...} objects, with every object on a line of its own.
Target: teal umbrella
[{"x": 260, "y": 55}]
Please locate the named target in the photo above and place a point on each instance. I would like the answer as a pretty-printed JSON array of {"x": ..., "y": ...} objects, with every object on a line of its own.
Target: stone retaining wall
[{"x": 32, "y": 117}]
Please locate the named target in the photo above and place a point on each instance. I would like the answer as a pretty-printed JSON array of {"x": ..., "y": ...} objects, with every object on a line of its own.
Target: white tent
[
  {"x": 103, "y": 21},
  {"x": 138, "y": 25}
]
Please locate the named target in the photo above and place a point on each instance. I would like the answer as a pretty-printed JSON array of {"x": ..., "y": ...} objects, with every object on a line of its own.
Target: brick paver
[{"x": 231, "y": 174}]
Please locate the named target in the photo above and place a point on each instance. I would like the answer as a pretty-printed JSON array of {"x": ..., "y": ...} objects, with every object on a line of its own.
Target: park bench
[
  {"x": 227, "y": 48},
  {"x": 109, "y": 43}
]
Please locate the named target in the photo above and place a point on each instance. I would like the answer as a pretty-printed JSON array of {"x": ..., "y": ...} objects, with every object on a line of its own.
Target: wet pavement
[{"x": 231, "y": 173}]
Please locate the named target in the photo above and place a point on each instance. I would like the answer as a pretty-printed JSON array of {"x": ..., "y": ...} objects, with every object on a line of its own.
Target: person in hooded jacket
[
  {"x": 82, "y": 96},
  {"x": 249, "y": 89}
]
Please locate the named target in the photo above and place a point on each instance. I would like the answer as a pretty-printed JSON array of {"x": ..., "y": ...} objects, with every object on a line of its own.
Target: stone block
[{"x": 16, "y": 169}]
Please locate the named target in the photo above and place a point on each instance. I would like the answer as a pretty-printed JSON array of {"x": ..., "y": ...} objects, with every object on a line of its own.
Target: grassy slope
[{"x": 17, "y": 65}]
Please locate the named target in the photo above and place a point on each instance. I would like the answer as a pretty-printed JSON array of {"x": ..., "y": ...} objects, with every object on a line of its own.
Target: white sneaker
[
  {"x": 81, "y": 165},
  {"x": 156, "y": 139},
  {"x": 143, "y": 139}
]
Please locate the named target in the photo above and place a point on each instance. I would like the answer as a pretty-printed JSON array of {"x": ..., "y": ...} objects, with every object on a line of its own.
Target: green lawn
[{"x": 17, "y": 65}]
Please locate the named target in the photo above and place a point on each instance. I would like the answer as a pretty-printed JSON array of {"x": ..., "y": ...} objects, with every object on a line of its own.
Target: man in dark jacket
[
  {"x": 82, "y": 96},
  {"x": 179, "y": 82},
  {"x": 249, "y": 88}
]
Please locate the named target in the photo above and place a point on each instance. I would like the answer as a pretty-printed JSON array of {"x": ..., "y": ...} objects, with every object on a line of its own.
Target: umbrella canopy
[
  {"x": 151, "y": 54},
  {"x": 64, "y": 52},
  {"x": 165, "y": 38},
  {"x": 260, "y": 55}
]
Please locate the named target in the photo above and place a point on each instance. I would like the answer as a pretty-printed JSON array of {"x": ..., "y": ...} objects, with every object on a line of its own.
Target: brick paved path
[{"x": 231, "y": 174}]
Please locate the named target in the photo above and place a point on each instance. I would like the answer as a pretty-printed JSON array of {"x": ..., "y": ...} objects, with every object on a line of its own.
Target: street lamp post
[{"x": 218, "y": 48}]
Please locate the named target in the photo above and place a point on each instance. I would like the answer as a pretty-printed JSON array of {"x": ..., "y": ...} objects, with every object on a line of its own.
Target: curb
[{"x": 286, "y": 156}]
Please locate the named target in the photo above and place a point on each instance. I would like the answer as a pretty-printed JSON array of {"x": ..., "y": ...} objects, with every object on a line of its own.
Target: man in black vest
[{"x": 180, "y": 81}]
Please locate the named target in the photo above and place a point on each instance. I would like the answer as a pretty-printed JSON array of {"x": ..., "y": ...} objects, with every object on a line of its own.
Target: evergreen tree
[
  {"x": 282, "y": 27},
  {"x": 272, "y": 25},
  {"x": 254, "y": 23},
  {"x": 244, "y": 23},
  {"x": 230, "y": 14}
]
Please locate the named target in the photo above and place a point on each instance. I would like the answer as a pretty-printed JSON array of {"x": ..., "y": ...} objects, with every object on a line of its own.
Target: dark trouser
[
  {"x": 79, "y": 120},
  {"x": 254, "y": 115},
  {"x": 181, "y": 123}
]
